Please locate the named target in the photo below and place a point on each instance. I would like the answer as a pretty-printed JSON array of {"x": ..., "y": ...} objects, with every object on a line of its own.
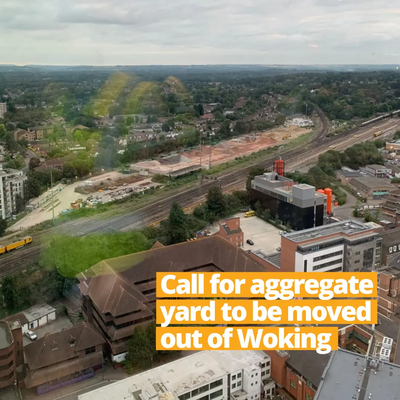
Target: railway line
[{"x": 153, "y": 213}]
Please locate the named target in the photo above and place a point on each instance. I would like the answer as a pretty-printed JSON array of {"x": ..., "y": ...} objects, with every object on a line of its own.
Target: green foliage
[
  {"x": 396, "y": 180},
  {"x": 216, "y": 203},
  {"x": 396, "y": 135},
  {"x": 28, "y": 288},
  {"x": 141, "y": 348},
  {"x": 16, "y": 162},
  {"x": 177, "y": 225},
  {"x": 72, "y": 255},
  {"x": 255, "y": 171},
  {"x": 34, "y": 162}
]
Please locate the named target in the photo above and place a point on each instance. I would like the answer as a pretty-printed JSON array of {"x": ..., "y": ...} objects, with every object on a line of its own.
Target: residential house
[{"x": 230, "y": 230}]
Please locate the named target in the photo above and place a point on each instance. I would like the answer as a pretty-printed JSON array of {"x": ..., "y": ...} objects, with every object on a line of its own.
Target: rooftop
[
  {"x": 347, "y": 228},
  {"x": 348, "y": 174},
  {"x": 376, "y": 166},
  {"x": 274, "y": 259},
  {"x": 179, "y": 376},
  {"x": 391, "y": 236},
  {"x": 309, "y": 364},
  {"x": 371, "y": 182},
  {"x": 6, "y": 338},
  {"x": 352, "y": 376},
  {"x": 31, "y": 314}
]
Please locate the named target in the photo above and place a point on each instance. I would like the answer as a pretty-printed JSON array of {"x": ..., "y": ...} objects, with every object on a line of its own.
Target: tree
[
  {"x": 255, "y": 171},
  {"x": 19, "y": 203},
  {"x": 2, "y": 131},
  {"x": 34, "y": 162},
  {"x": 201, "y": 109},
  {"x": 69, "y": 171},
  {"x": 165, "y": 127},
  {"x": 3, "y": 226},
  {"x": 32, "y": 188},
  {"x": 141, "y": 349},
  {"x": 215, "y": 202},
  {"x": 177, "y": 225},
  {"x": 8, "y": 292},
  {"x": 129, "y": 121}
]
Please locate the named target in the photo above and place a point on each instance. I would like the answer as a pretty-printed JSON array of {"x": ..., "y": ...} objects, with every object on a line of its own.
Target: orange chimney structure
[
  {"x": 279, "y": 167},
  {"x": 328, "y": 193},
  {"x": 322, "y": 191}
]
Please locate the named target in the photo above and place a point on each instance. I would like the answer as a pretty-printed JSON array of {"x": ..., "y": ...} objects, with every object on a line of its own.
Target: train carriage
[{"x": 6, "y": 248}]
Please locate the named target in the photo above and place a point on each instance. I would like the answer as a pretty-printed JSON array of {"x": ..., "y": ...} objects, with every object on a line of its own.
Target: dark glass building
[{"x": 299, "y": 205}]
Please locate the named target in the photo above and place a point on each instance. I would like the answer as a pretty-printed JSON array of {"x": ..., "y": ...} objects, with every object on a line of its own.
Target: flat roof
[
  {"x": 391, "y": 236},
  {"x": 376, "y": 166},
  {"x": 348, "y": 228},
  {"x": 180, "y": 376},
  {"x": 39, "y": 311},
  {"x": 353, "y": 376},
  {"x": 372, "y": 182},
  {"x": 6, "y": 338}
]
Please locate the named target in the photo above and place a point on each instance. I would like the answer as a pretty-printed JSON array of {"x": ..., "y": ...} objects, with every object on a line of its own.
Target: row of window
[
  {"x": 328, "y": 264},
  {"x": 266, "y": 364},
  {"x": 203, "y": 389},
  {"x": 325, "y": 256},
  {"x": 236, "y": 385}
]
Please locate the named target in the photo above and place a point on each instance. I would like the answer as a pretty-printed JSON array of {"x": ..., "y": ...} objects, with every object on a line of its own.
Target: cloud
[{"x": 192, "y": 32}]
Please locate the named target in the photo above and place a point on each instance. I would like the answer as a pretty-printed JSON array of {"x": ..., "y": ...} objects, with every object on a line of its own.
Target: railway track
[{"x": 157, "y": 211}]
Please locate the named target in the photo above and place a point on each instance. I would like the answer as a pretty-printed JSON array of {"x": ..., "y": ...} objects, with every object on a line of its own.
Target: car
[
  {"x": 280, "y": 232},
  {"x": 31, "y": 335},
  {"x": 250, "y": 242},
  {"x": 278, "y": 249}
]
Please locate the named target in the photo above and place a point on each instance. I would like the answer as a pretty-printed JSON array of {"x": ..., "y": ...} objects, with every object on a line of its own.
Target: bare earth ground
[{"x": 224, "y": 151}]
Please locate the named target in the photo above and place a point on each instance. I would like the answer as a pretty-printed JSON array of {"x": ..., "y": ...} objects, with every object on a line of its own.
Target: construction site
[{"x": 204, "y": 156}]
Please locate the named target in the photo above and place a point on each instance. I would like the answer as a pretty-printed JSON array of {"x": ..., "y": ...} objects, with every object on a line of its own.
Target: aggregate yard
[{"x": 223, "y": 151}]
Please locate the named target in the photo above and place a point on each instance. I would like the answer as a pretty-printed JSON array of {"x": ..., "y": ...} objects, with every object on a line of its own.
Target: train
[
  {"x": 6, "y": 248},
  {"x": 388, "y": 115}
]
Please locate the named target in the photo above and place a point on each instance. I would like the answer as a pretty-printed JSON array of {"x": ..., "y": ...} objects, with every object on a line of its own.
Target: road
[{"x": 157, "y": 211}]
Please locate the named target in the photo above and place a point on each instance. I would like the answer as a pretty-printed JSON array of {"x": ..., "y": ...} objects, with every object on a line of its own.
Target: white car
[{"x": 31, "y": 335}]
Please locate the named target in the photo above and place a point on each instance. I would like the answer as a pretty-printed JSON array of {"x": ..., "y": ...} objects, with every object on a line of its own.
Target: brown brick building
[
  {"x": 230, "y": 230},
  {"x": 120, "y": 294},
  {"x": 63, "y": 358},
  {"x": 11, "y": 353}
]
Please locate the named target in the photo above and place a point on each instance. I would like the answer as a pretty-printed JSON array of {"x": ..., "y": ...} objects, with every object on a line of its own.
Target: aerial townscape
[{"x": 214, "y": 140}]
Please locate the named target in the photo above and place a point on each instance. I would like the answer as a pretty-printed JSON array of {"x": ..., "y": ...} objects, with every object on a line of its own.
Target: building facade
[
  {"x": 230, "y": 230},
  {"x": 371, "y": 187},
  {"x": 206, "y": 375},
  {"x": 11, "y": 353},
  {"x": 3, "y": 109},
  {"x": 11, "y": 184},
  {"x": 346, "y": 246},
  {"x": 300, "y": 205},
  {"x": 380, "y": 171}
]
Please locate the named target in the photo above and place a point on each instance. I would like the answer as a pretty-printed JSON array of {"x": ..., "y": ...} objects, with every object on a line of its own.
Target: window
[
  {"x": 323, "y": 257},
  {"x": 185, "y": 396},
  {"x": 252, "y": 376},
  {"x": 305, "y": 265},
  {"x": 205, "y": 397},
  {"x": 239, "y": 375},
  {"x": 293, "y": 384},
  {"x": 233, "y": 377},
  {"x": 252, "y": 384},
  {"x": 263, "y": 373},
  {"x": 218, "y": 393},
  {"x": 239, "y": 383},
  {"x": 357, "y": 262},
  {"x": 262, "y": 365},
  {"x": 328, "y": 264},
  {"x": 268, "y": 371},
  {"x": 268, "y": 363},
  {"x": 357, "y": 253},
  {"x": 257, "y": 374},
  {"x": 233, "y": 386},
  {"x": 90, "y": 350},
  {"x": 216, "y": 384}
]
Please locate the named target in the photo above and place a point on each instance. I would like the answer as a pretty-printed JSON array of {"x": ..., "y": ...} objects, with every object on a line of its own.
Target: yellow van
[{"x": 249, "y": 214}]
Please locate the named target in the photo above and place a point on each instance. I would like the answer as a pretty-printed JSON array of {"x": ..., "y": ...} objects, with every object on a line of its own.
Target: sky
[{"x": 182, "y": 32}]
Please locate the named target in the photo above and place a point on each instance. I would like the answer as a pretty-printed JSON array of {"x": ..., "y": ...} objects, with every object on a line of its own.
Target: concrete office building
[
  {"x": 297, "y": 204},
  {"x": 3, "y": 109},
  {"x": 353, "y": 376},
  {"x": 11, "y": 184},
  {"x": 206, "y": 375},
  {"x": 347, "y": 246},
  {"x": 380, "y": 171}
]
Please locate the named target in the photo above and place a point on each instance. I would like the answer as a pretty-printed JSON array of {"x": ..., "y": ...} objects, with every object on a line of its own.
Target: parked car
[
  {"x": 250, "y": 242},
  {"x": 278, "y": 249},
  {"x": 31, "y": 335}
]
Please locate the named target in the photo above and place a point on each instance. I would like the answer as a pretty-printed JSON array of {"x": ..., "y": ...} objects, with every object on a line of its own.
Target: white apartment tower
[
  {"x": 11, "y": 184},
  {"x": 3, "y": 109}
]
